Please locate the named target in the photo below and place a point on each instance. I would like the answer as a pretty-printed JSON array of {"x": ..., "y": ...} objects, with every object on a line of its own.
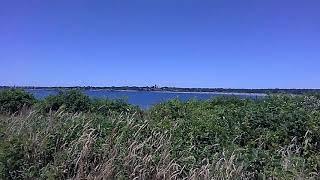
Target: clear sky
[{"x": 186, "y": 43}]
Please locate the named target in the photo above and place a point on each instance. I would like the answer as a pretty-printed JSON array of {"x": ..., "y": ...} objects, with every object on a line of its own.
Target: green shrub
[
  {"x": 51, "y": 103},
  {"x": 13, "y": 100},
  {"x": 73, "y": 101},
  {"x": 13, "y": 159},
  {"x": 262, "y": 127},
  {"x": 317, "y": 95},
  {"x": 107, "y": 107}
]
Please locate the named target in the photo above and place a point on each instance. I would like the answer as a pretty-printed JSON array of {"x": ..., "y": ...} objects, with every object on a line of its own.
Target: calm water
[{"x": 143, "y": 99}]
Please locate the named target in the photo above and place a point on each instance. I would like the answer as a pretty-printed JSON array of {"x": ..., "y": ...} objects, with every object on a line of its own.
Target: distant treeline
[{"x": 177, "y": 89}]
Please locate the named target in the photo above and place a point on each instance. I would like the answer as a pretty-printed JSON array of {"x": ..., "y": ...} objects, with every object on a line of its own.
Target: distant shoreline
[
  {"x": 221, "y": 91},
  {"x": 176, "y": 92},
  {"x": 186, "y": 92}
]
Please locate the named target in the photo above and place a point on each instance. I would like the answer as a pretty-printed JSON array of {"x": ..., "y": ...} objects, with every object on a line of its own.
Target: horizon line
[{"x": 159, "y": 87}]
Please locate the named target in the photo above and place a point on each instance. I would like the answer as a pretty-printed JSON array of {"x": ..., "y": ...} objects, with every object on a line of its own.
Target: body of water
[{"x": 144, "y": 99}]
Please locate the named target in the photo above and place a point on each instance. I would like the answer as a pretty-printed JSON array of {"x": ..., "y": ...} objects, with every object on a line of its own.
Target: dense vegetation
[
  {"x": 12, "y": 101},
  {"x": 71, "y": 136}
]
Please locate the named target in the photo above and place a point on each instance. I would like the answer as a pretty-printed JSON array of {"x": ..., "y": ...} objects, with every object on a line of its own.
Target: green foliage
[
  {"x": 260, "y": 128},
  {"x": 277, "y": 137},
  {"x": 107, "y": 107},
  {"x": 314, "y": 94},
  {"x": 72, "y": 101},
  {"x": 51, "y": 103},
  {"x": 75, "y": 101},
  {"x": 13, "y": 100}
]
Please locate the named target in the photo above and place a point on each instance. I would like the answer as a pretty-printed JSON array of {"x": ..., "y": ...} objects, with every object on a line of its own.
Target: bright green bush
[
  {"x": 72, "y": 101},
  {"x": 75, "y": 101},
  {"x": 51, "y": 103},
  {"x": 13, "y": 100},
  {"x": 261, "y": 128},
  {"x": 107, "y": 107}
]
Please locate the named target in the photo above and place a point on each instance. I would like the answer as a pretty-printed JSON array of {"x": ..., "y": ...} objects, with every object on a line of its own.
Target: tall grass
[{"x": 273, "y": 138}]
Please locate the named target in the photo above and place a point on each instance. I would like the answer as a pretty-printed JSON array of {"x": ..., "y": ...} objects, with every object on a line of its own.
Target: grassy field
[{"x": 69, "y": 136}]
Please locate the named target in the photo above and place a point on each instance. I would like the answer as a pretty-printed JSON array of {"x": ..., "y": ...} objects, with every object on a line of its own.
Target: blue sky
[{"x": 186, "y": 43}]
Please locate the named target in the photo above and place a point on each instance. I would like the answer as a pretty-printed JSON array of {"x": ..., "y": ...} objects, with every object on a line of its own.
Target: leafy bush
[
  {"x": 51, "y": 103},
  {"x": 107, "y": 107},
  {"x": 260, "y": 128},
  {"x": 13, "y": 100},
  {"x": 73, "y": 101},
  {"x": 316, "y": 94}
]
